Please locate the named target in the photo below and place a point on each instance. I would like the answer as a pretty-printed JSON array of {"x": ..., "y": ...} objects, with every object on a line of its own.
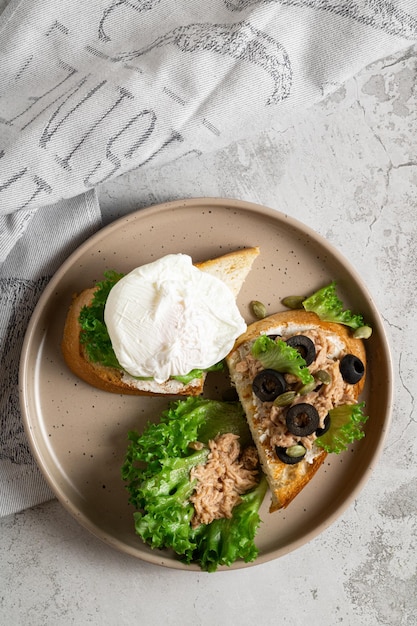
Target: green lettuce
[
  {"x": 166, "y": 511},
  {"x": 157, "y": 475},
  {"x": 94, "y": 335},
  {"x": 346, "y": 422},
  {"x": 186, "y": 378},
  {"x": 278, "y": 355},
  {"x": 327, "y": 305}
]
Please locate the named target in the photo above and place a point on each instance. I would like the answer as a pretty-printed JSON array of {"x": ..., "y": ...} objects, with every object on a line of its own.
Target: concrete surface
[{"x": 347, "y": 168}]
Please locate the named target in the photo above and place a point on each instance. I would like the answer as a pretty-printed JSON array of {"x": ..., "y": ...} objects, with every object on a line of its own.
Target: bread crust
[
  {"x": 286, "y": 481},
  {"x": 232, "y": 268}
]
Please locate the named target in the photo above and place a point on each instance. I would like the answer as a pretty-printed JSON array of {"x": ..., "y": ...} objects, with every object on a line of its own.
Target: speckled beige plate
[{"x": 79, "y": 435}]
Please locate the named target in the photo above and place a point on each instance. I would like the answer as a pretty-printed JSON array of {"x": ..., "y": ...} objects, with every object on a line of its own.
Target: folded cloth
[
  {"x": 51, "y": 235},
  {"x": 90, "y": 90}
]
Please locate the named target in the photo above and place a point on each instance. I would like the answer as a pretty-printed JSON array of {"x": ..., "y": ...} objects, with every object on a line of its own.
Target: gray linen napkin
[
  {"x": 50, "y": 237},
  {"x": 89, "y": 90}
]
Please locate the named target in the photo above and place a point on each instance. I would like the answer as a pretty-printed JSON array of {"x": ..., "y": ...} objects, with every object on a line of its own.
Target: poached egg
[{"x": 168, "y": 317}]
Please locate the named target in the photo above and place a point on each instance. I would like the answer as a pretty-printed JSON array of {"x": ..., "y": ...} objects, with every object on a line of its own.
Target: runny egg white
[{"x": 168, "y": 317}]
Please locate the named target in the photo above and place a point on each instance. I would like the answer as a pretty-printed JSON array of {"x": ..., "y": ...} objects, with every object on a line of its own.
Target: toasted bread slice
[
  {"x": 332, "y": 342},
  {"x": 232, "y": 268}
]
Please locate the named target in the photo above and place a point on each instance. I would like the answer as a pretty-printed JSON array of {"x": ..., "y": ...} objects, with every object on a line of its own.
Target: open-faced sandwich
[
  {"x": 160, "y": 328},
  {"x": 299, "y": 374}
]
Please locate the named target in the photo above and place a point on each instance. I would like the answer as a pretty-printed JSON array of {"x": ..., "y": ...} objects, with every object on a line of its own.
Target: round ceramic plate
[{"x": 78, "y": 434}]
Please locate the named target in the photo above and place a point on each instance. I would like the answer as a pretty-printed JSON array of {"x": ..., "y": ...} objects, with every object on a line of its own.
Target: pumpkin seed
[
  {"x": 285, "y": 399},
  {"x": 293, "y": 302},
  {"x": 363, "y": 332},
  {"x": 296, "y": 451},
  {"x": 259, "y": 309},
  {"x": 324, "y": 377}
]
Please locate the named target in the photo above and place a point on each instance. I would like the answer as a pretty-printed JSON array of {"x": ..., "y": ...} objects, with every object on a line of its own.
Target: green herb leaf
[
  {"x": 346, "y": 422},
  {"x": 326, "y": 304},
  {"x": 186, "y": 378},
  {"x": 278, "y": 355},
  {"x": 94, "y": 335}
]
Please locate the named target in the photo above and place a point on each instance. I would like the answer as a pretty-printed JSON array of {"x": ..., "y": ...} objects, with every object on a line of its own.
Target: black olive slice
[
  {"x": 268, "y": 385},
  {"x": 305, "y": 347},
  {"x": 326, "y": 426},
  {"x": 302, "y": 419},
  {"x": 286, "y": 458},
  {"x": 351, "y": 368}
]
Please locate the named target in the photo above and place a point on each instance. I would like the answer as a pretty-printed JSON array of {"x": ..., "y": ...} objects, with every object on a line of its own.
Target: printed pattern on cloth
[
  {"x": 92, "y": 90},
  {"x": 386, "y": 16},
  {"x": 17, "y": 300}
]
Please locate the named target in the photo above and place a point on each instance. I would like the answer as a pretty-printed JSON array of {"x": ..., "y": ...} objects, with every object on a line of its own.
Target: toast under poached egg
[{"x": 153, "y": 317}]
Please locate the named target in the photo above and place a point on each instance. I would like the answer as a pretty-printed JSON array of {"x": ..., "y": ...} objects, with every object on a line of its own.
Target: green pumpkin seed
[
  {"x": 296, "y": 451},
  {"x": 293, "y": 302},
  {"x": 258, "y": 309},
  {"x": 324, "y": 377},
  {"x": 285, "y": 399},
  {"x": 363, "y": 332},
  {"x": 305, "y": 389}
]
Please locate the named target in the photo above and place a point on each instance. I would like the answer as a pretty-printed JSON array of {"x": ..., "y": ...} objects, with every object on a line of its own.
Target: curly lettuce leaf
[
  {"x": 225, "y": 540},
  {"x": 346, "y": 426},
  {"x": 157, "y": 475},
  {"x": 169, "y": 438},
  {"x": 327, "y": 305},
  {"x": 166, "y": 511},
  {"x": 278, "y": 355},
  {"x": 186, "y": 378},
  {"x": 94, "y": 335}
]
